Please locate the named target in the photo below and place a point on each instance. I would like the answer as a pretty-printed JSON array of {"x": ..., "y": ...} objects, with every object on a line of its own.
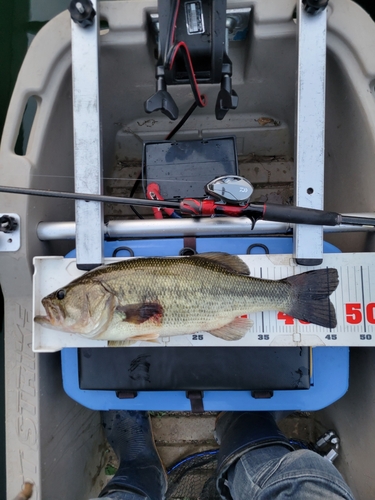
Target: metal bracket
[
  {"x": 328, "y": 445},
  {"x": 10, "y": 240},
  {"x": 87, "y": 142},
  {"x": 238, "y": 21},
  {"x": 310, "y": 128}
]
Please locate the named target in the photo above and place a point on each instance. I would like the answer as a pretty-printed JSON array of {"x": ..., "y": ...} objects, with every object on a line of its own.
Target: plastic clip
[
  {"x": 328, "y": 445},
  {"x": 153, "y": 193}
]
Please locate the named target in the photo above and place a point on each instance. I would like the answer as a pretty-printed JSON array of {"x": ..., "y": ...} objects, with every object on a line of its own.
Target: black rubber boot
[
  {"x": 140, "y": 468},
  {"x": 238, "y": 432}
]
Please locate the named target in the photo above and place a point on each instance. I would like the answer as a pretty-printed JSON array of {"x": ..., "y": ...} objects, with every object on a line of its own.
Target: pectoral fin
[
  {"x": 150, "y": 337},
  {"x": 234, "y": 330},
  {"x": 121, "y": 343},
  {"x": 139, "y": 313}
]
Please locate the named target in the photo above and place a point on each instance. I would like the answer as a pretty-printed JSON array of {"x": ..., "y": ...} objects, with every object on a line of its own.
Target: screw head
[
  {"x": 82, "y": 12},
  {"x": 315, "y": 6}
]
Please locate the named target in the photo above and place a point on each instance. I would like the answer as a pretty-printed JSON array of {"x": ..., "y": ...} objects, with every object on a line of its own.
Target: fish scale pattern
[
  {"x": 195, "y": 294},
  {"x": 146, "y": 298}
]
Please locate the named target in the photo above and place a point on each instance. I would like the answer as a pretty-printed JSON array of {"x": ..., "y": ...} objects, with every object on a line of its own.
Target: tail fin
[{"x": 311, "y": 291}]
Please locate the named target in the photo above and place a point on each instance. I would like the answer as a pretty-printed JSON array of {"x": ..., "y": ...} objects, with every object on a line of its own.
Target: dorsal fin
[{"x": 226, "y": 260}]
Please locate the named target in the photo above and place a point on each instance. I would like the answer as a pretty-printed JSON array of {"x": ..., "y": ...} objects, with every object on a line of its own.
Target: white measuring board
[{"x": 354, "y": 301}]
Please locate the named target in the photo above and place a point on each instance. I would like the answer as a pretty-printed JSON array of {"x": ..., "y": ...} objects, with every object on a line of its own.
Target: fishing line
[
  {"x": 128, "y": 179},
  {"x": 133, "y": 190}
]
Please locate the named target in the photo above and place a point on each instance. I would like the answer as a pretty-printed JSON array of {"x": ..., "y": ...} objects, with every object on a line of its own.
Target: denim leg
[
  {"x": 122, "y": 495},
  {"x": 273, "y": 472}
]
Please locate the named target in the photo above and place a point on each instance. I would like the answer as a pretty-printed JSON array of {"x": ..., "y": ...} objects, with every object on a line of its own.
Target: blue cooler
[{"x": 207, "y": 378}]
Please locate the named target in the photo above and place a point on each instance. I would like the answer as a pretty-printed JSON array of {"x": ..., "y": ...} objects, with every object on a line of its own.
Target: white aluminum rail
[
  {"x": 167, "y": 228},
  {"x": 310, "y": 128},
  {"x": 87, "y": 142}
]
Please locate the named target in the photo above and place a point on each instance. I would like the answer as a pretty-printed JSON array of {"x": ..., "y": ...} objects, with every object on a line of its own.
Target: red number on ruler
[
  {"x": 285, "y": 317},
  {"x": 289, "y": 320},
  {"x": 353, "y": 313},
  {"x": 370, "y": 313}
]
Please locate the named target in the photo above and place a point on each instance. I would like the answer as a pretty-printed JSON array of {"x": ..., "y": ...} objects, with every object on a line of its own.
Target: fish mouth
[
  {"x": 54, "y": 316},
  {"x": 43, "y": 320}
]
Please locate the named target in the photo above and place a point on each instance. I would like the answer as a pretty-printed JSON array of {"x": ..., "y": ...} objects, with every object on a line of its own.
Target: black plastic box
[
  {"x": 194, "y": 368},
  {"x": 183, "y": 168}
]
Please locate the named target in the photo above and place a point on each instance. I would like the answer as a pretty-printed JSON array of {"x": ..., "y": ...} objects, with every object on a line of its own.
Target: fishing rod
[
  {"x": 89, "y": 197},
  {"x": 229, "y": 196},
  {"x": 273, "y": 212}
]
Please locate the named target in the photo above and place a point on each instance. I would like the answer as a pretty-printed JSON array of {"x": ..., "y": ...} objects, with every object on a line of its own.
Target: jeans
[
  {"x": 122, "y": 495},
  {"x": 275, "y": 473}
]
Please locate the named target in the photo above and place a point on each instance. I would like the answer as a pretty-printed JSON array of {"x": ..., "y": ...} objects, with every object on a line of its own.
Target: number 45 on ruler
[
  {"x": 289, "y": 320},
  {"x": 353, "y": 314}
]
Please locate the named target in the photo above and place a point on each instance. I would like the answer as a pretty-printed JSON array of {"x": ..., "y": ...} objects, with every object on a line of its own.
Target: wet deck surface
[{"x": 180, "y": 434}]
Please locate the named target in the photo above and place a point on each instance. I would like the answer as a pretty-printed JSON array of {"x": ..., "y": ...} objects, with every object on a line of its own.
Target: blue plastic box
[{"x": 328, "y": 363}]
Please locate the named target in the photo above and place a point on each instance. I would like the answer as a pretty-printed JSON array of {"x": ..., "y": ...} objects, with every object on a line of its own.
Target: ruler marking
[
  {"x": 363, "y": 300},
  {"x": 261, "y": 275},
  {"x": 342, "y": 305},
  {"x": 370, "y": 299},
  {"x": 348, "y": 284},
  {"x": 329, "y": 300}
]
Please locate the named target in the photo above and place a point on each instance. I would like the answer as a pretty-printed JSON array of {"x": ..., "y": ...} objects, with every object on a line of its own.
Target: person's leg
[
  {"x": 255, "y": 462},
  {"x": 141, "y": 474},
  {"x": 121, "y": 495},
  {"x": 266, "y": 473}
]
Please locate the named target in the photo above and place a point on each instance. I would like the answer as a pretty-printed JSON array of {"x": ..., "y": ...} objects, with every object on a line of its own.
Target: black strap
[
  {"x": 196, "y": 401},
  {"x": 190, "y": 246},
  {"x": 126, "y": 394}
]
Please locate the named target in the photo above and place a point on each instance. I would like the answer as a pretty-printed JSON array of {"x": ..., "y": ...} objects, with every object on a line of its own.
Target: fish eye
[{"x": 60, "y": 294}]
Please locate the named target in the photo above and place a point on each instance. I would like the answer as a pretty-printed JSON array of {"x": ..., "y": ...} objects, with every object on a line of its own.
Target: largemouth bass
[{"x": 147, "y": 298}]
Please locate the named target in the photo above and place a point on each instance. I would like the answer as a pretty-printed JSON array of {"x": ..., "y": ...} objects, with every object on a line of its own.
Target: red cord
[
  {"x": 177, "y": 8},
  {"x": 171, "y": 53},
  {"x": 199, "y": 97}
]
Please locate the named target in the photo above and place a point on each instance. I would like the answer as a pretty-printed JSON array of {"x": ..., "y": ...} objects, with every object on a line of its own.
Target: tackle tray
[{"x": 182, "y": 168}]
